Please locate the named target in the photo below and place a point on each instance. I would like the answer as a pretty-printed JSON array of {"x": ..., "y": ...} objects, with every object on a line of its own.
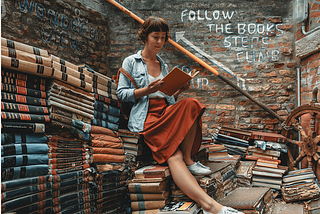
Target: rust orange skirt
[{"x": 166, "y": 126}]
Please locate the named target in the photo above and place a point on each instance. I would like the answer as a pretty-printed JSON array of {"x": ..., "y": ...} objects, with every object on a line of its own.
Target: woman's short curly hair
[{"x": 153, "y": 24}]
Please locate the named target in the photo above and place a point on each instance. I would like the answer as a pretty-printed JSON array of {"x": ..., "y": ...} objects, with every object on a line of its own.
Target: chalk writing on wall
[
  {"x": 254, "y": 37},
  {"x": 66, "y": 26}
]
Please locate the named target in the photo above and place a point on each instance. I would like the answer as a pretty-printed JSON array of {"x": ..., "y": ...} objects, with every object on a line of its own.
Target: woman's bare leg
[
  {"x": 188, "y": 184},
  {"x": 186, "y": 145}
]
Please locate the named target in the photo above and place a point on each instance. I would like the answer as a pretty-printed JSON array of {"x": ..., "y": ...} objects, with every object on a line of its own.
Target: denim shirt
[{"x": 137, "y": 68}]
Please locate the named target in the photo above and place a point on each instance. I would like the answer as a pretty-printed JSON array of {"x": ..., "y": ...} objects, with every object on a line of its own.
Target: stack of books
[
  {"x": 235, "y": 140},
  {"x": 183, "y": 207},
  {"x": 150, "y": 189},
  {"x": 282, "y": 208},
  {"x": 300, "y": 185},
  {"x": 249, "y": 199},
  {"x": 111, "y": 191},
  {"x": 268, "y": 174},
  {"x": 244, "y": 173},
  {"x": 106, "y": 115},
  {"x": 23, "y": 155},
  {"x": 254, "y": 153},
  {"x": 216, "y": 151},
  {"x": 224, "y": 177},
  {"x": 130, "y": 142}
]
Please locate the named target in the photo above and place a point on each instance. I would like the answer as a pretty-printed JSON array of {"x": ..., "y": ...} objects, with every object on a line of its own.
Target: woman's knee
[{"x": 176, "y": 156}]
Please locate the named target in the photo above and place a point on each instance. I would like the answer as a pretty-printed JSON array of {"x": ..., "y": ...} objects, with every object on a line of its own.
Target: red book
[
  {"x": 153, "y": 171},
  {"x": 252, "y": 157},
  {"x": 272, "y": 137}
]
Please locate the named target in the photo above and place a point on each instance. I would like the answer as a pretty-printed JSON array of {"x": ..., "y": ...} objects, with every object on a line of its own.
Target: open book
[{"x": 174, "y": 80}]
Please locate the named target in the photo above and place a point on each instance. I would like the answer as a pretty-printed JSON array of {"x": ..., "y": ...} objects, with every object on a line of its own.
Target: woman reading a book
[{"x": 171, "y": 130}]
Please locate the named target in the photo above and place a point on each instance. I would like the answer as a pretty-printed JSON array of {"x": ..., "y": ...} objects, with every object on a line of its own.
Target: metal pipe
[
  {"x": 204, "y": 64},
  {"x": 299, "y": 103}
]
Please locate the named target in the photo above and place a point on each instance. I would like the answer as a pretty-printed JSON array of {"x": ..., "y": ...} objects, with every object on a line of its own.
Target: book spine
[
  {"x": 23, "y": 47},
  {"x": 102, "y": 130},
  {"x": 9, "y": 138},
  {"x": 26, "y": 67},
  {"x": 61, "y": 171},
  {"x": 22, "y": 90},
  {"x": 107, "y": 158},
  {"x": 268, "y": 138},
  {"x": 112, "y": 151},
  {"x": 23, "y": 171},
  {"x": 112, "y": 185},
  {"x": 24, "y": 182},
  {"x": 44, "y": 205},
  {"x": 68, "y": 165},
  {"x": 107, "y": 100},
  {"x": 19, "y": 149},
  {"x": 99, "y": 143},
  {"x": 70, "y": 65},
  {"x": 12, "y": 76},
  {"x": 110, "y": 93},
  {"x": 69, "y": 114},
  {"x": 106, "y": 117},
  {"x": 71, "y": 96},
  {"x": 147, "y": 205},
  {"x": 22, "y": 127},
  {"x": 105, "y": 124},
  {"x": 16, "y": 98},
  {"x": 14, "y": 107},
  {"x": 146, "y": 197},
  {"x": 24, "y": 160},
  {"x": 9, "y": 52},
  {"x": 252, "y": 157},
  {"x": 72, "y": 80},
  {"x": 109, "y": 87},
  {"x": 71, "y": 104},
  {"x": 107, "y": 109},
  {"x": 67, "y": 160},
  {"x": 11, "y": 116},
  {"x": 232, "y": 134},
  {"x": 23, "y": 83}
]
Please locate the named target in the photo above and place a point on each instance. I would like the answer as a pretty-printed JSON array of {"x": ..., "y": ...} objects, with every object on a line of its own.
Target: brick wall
[{"x": 250, "y": 42}]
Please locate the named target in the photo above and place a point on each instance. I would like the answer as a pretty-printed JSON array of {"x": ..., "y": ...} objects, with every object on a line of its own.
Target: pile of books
[
  {"x": 244, "y": 173},
  {"x": 183, "y": 207},
  {"x": 300, "y": 185},
  {"x": 130, "y": 142},
  {"x": 282, "y": 208},
  {"x": 235, "y": 140},
  {"x": 268, "y": 174},
  {"x": 249, "y": 199},
  {"x": 111, "y": 191},
  {"x": 150, "y": 188},
  {"x": 216, "y": 151}
]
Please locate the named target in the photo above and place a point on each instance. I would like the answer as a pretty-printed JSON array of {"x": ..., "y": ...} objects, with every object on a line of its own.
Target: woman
[{"x": 171, "y": 130}]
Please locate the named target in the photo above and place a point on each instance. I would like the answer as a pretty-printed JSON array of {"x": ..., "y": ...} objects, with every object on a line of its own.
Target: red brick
[
  {"x": 214, "y": 112},
  {"x": 208, "y": 105},
  {"x": 206, "y": 118},
  {"x": 282, "y": 112},
  {"x": 223, "y": 113},
  {"x": 248, "y": 67},
  {"x": 283, "y": 99},
  {"x": 316, "y": 79},
  {"x": 288, "y": 79},
  {"x": 215, "y": 94},
  {"x": 269, "y": 121},
  {"x": 314, "y": 64},
  {"x": 270, "y": 74},
  {"x": 284, "y": 72},
  {"x": 275, "y": 80},
  {"x": 291, "y": 64},
  {"x": 286, "y": 51},
  {"x": 224, "y": 119},
  {"x": 245, "y": 114},
  {"x": 286, "y": 27},
  {"x": 274, "y": 106},
  {"x": 220, "y": 49},
  {"x": 244, "y": 126},
  {"x": 255, "y": 120},
  {"x": 278, "y": 65},
  {"x": 314, "y": 14},
  {"x": 275, "y": 19},
  {"x": 283, "y": 44},
  {"x": 252, "y": 74}
]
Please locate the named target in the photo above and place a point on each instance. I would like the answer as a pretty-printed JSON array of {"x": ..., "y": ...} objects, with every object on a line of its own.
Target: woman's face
[{"x": 156, "y": 40}]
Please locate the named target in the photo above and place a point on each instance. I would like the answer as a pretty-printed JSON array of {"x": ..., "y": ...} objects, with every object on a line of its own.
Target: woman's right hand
[
  {"x": 155, "y": 86},
  {"x": 151, "y": 88}
]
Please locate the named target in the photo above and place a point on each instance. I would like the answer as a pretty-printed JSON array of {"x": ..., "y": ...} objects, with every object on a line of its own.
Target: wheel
[{"x": 304, "y": 120}]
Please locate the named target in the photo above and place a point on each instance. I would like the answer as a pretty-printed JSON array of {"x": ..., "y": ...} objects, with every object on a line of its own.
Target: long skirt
[{"x": 166, "y": 126}]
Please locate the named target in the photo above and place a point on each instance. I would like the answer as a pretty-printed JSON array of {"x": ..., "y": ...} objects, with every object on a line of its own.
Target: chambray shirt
[{"x": 137, "y": 68}]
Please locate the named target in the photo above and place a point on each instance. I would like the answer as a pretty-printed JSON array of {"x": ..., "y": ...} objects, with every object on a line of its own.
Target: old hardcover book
[
  {"x": 158, "y": 187},
  {"x": 313, "y": 206},
  {"x": 174, "y": 80},
  {"x": 215, "y": 147},
  {"x": 267, "y": 151},
  {"x": 71, "y": 102},
  {"x": 105, "y": 108},
  {"x": 70, "y": 107},
  {"x": 146, "y": 205},
  {"x": 238, "y": 133},
  {"x": 69, "y": 114},
  {"x": 296, "y": 177},
  {"x": 105, "y": 124},
  {"x": 281, "y": 208},
  {"x": 244, "y": 172},
  {"x": 26, "y": 67},
  {"x": 72, "y": 72},
  {"x": 22, "y": 127},
  {"x": 22, "y": 90},
  {"x": 266, "y": 173},
  {"x": 153, "y": 171},
  {"x": 72, "y": 96},
  {"x": 107, "y": 158},
  {"x": 23, "y": 47},
  {"x": 102, "y": 130},
  {"x": 15, "y": 107},
  {"x": 183, "y": 207},
  {"x": 74, "y": 81},
  {"x": 109, "y": 87},
  {"x": 246, "y": 198},
  {"x": 16, "y": 98},
  {"x": 36, "y": 118},
  {"x": 107, "y": 100},
  {"x": 147, "y": 180},
  {"x": 155, "y": 211},
  {"x": 265, "y": 163},
  {"x": 149, "y": 196},
  {"x": 262, "y": 155},
  {"x": 263, "y": 184},
  {"x": 279, "y": 169},
  {"x": 269, "y": 180},
  {"x": 9, "y": 52},
  {"x": 217, "y": 155},
  {"x": 13, "y": 75},
  {"x": 227, "y": 137},
  {"x": 253, "y": 157},
  {"x": 105, "y": 93},
  {"x": 273, "y": 137},
  {"x": 103, "y": 150}
]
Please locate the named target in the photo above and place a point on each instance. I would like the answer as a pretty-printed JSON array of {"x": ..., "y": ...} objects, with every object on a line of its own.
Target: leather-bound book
[
  {"x": 23, "y": 83},
  {"x": 22, "y": 90},
  {"x": 26, "y": 67},
  {"x": 107, "y": 158},
  {"x": 103, "y": 137},
  {"x": 22, "y": 76},
  {"x": 105, "y": 124},
  {"x": 247, "y": 198},
  {"x": 71, "y": 65},
  {"x": 16, "y": 107},
  {"x": 107, "y": 94},
  {"x": 9, "y": 52},
  {"x": 152, "y": 171},
  {"x": 146, "y": 205},
  {"x": 23, "y": 171},
  {"x": 70, "y": 95},
  {"x": 36, "y": 118},
  {"x": 157, "y": 187},
  {"x": 23, "y": 160},
  {"x": 22, "y": 127},
  {"x": 69, "y": 114},
  {"x": 102, "y": 150},
  {"x": 17, "y": 98},
  {"x": 74, "y": 81},
  {"x": 23, "y": 47},
  {"x": 107, "y": 100},
  {"x": 109, "y": 87},
  {"x": 24, "y": 148},
  {"x": 273, "y": 137},
  {"x": 70, "y": 107},
  {"x": 149, "y": 196},
  {"x": 105, "y": 108},
  {"x": 102, "y": 130},
  {"x": 70, "y": 71}
]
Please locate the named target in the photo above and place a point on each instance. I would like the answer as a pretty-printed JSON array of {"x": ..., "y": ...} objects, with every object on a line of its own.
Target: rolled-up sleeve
[{"x": 125, "y": 90}]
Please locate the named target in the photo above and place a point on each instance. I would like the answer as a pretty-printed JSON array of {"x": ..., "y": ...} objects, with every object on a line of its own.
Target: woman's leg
[
  {"x": 186, "y": 145},
  {"x": 188, "y": 184}
]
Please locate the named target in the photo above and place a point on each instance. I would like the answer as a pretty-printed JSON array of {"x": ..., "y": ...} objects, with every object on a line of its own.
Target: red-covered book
[
  {"x": 153, "y": 171},
  {"x": 272, "y": 137},
  {"x": 252, "y": 157}
]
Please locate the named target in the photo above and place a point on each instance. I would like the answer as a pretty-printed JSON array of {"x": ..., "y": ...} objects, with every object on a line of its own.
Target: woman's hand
[
  {"x": 151, "y": 88},
  {"x": 155, "y": 86}
]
